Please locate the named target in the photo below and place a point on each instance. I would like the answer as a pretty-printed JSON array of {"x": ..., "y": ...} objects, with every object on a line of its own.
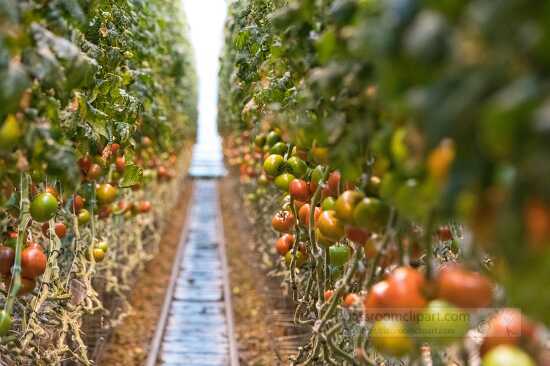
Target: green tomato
[
  {"x": 279, "y": 148},
  {"x": 259, "y": 140},
  {"x": 274, "y": 164},
  {"x": 300, "y": 259},
  {"x": 507, "y": 355},
  {"x": 84, "y": 217},
  {"x": 328, "y": 203},
  {"x": 10, "y": 133},
  {"x": 389, "y": 336},
  {"x": 283, "y": 181},
  {"x": 371, "y": 214},
  {"x": 43, "y": 207},
  {"x": 5, "y": 322},
  {"x": 272, "y": 138},
  {"x": 103, "y": 246},
  {"x": 441, "y": 323},
  {"x": 339, "y": 255},
  {"x": 297, "y": 166},
  {"x": 317, "y": 174}
]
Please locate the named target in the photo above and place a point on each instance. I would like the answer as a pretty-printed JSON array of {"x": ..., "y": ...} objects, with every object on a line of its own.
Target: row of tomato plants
[
  {"x": 426, "y": 200},
  {"x": 97, "y": 100}
]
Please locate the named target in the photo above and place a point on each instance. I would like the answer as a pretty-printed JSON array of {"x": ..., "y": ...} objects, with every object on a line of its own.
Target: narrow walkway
[{"x": 197, "y": 328}]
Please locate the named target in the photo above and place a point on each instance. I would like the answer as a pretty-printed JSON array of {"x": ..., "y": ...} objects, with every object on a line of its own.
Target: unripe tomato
[
  {"x": 373, "y": 186},
  {"x": 464, "y": 288},
  {"x": 43, "y": 207},
  {"x": 441, "y": 323},
  {"x": 279, "y": 148},
  {"x": 98, "y": 254},
  {"x": 106, "y": 194},
  {"x": 33, "y": 261},
  {"x": 390, "y": 337},
  {"x": 350, "y": 300},
  {"x": 316, "y": 176},
  {"x": 299, "y": 190},
  {"x": 274, "y": 165},
  {"x": 260, "y": 140},
  {"x": 283, "y": 181},
  {"x": 304, "y": 212},
  {"x": 330, "y": 226},
  {"x": 84, "y": 217},
  {"x": 300, "y": 258},
  {"x": 297, "y": 166},
  {"x": 371, "y": 214},
  {"x": 103, "y": 246},
  {"x": 7, "y": 258},
  {"x": 357, "y": 235},
  {"x": 94, "y": 172},
  {"x": 345, "y": 205},
  {"x": 506, "y": 355},
  {"x": 283, "y": 221},
  {"x": 328, "y": 204},
  {"x": 339, "y": 255},
  {"x": 272, "y": 138},
  {"x": 323, "y": 240},
  {"x": 284, "y": 244},
  {"x": 10, "y": 133},
  {"x": 5, "y": 322}
]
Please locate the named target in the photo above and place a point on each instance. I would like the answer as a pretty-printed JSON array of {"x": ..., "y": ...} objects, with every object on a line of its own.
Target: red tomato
[
  {"x": 283, "y": 221},
  {"x": 303, "y": 215},
  {"x": 59, "y": 228},
  {"x": 350, "y": 300},
  {"x": 328, "y": 295},
  {"x": 284, "y": 244},
  {"x": 299, "y": 190},
  {"x": 508, "y": 326},
  {"x": 144, "y": 206},
  {"x": 333, "y": 183},
  {"x": 120, "y": 163},
  {"x": 464, "y": 288},
  {"x": 372, "y": 303},
  {"x": 78, "y": 203},
  {"x": 357, "y": 234},
  {"x": 7, "y": 257},
  {"x": 33, "y": 261}
]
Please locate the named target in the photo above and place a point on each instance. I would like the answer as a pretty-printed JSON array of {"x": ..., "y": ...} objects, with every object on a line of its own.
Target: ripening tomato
[
  {"x": 350, "y": 300},
  {"x": 51, "y": 190},
  {"x": 328, "y": 204},
  {"x": 316, "y": 176},
  {"x": 282, "y": 181},
  {"x": 274, "y": 165},
  {"x": 7, "y": 258},
  {"x": 330, "y": 226},
  {"x": 120, "y": 163},
  {"x": 441, "y": 324},
  {"x": 389, "y": 336},
  {"x": 300, "y": 258},
  {"x": 323, "y": 240},
  {"x": 320, "y": 155},
  {"x": 84, "y": 217},
  {"x": 357, "y": 235},
  {"x": 464, "y": 288},
  {"x": 33, "y": 261},
  {"x": 98, "y": 254},
  {"x": 296, "y": 166},
  {"x": 283, "y": 221},
  {"x": 339, "y": 255},
  {"x": 284, "y": 244},
  {"x": 508, "y": 326},
  {"x": 43, "y": 207},
  {"x": 345, "y": 205},
  {"x": 304, "y": 212},
  {"x": 5, "y": 322},
  {"x": 106, "y": 194},
  {"x": 78, "y": 203},
  {"x": 94, "y": 172},
  {"x": 371, "y": 214},
  {"x": 60, "y": 229},
  {"x": 506, "y": 355},
  {"x": 299, "y": 190}
]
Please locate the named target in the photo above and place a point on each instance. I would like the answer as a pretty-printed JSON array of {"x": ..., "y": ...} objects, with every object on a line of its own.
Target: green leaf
[{"x": 132, "y": 175}]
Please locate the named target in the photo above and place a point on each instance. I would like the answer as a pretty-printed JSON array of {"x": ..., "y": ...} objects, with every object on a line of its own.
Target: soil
[
  {"x": 262, "y": 315},
  {"x": 129, "y": 341}
]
